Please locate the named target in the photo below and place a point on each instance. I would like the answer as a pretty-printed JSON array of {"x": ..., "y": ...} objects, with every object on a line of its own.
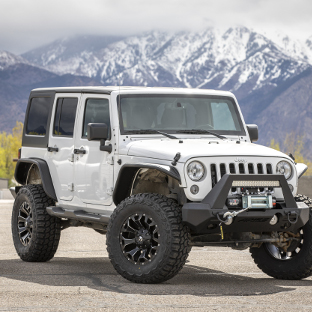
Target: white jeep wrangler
[{"x": 159, "y": 170}]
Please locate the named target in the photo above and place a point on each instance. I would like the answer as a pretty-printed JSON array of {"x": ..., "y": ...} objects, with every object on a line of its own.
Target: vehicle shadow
[{"x": 98, "y": 273}]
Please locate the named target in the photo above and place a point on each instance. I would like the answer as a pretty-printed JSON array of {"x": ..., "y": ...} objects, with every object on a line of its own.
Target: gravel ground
[{"x": 81, "y": 278}]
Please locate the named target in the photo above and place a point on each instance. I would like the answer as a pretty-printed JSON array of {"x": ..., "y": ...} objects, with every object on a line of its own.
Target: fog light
[
  {"x": 194, "y": 189},
  {"x": 291, "y": 187},
  {"x": 274, "y": 220}
]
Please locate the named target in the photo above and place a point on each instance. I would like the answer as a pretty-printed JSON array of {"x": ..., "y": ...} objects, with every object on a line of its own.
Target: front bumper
[{"x": 203, "y": 217}]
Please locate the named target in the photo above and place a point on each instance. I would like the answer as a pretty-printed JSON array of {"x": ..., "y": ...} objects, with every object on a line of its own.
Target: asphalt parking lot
[{"x": 81, "y": 278}]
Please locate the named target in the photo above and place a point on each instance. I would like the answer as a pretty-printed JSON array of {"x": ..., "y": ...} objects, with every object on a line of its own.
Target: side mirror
[
  {"x": 253, "y": 132},
  {"x": 99, "y": 131}
]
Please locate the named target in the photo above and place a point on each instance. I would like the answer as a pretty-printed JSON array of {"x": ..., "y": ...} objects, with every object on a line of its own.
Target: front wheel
[
  {"x": 294, "y": 263},
  {"x": 146, "y": 240}
]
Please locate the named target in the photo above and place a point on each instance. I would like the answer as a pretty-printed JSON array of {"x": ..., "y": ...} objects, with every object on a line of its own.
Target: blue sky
[{"x": 26, "y": 24}]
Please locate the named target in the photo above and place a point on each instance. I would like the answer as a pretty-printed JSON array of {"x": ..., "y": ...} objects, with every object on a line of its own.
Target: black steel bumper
[{"x": 203, "y": 217}]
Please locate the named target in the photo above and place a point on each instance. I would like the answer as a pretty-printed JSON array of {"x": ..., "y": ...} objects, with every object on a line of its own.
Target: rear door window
[{"x": 65, "y": 115}]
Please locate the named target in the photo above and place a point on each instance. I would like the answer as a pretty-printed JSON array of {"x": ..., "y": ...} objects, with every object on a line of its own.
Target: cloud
[{"x": 28, "y": 24}]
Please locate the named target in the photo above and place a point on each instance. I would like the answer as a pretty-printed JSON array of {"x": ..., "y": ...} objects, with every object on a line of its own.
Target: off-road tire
[
  {"x": 46, "y": 229},
  {"x": 174, "y": 240},
  {"x": 295, "y": 268}
]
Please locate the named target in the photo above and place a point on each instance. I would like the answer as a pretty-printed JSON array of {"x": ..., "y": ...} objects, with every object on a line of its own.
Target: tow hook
[
  {"x": 292, "y": 214},
  {"x": 229, "y": 216}
]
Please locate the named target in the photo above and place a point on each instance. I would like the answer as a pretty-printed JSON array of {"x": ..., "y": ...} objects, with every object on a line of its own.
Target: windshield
[{"x": 173, "y": 113}]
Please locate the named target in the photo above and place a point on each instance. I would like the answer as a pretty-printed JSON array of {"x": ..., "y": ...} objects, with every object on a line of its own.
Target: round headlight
[
  {"x": 284, "y": 167},
  {"x": 195, "y": 170}
]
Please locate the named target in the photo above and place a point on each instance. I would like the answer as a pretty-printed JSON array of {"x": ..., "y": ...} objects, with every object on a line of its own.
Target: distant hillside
[{"x": 16, "y": 82}]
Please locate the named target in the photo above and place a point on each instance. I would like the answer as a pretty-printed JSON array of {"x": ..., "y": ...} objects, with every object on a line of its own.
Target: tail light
[{"x": 19, "y": 153}]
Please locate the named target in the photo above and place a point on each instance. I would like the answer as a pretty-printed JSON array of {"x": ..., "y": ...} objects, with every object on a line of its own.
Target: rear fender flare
[{"x": 21, "y": 171}]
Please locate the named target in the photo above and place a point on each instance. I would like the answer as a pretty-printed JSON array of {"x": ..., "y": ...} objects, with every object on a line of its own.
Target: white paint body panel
[
  {"x": 93, "y": 170},
  {"x": 97, "y": 171},
  {"x": 61, "y": 168}
]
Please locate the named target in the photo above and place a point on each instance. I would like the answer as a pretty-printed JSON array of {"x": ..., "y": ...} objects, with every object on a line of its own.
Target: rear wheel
[
  {"x": 146, "y": 240},
  {"x": 35, "y": 233},
  {"x": 293, "y": 263}
]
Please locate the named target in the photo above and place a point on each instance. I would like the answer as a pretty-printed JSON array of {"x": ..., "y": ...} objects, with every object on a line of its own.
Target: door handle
[
  {"x": 80, "y": 151},
  {"x": 52, "y": 149}
]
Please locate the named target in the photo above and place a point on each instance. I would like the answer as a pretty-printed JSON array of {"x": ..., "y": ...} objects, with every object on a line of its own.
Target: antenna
[{"x": 119, "y": 89}]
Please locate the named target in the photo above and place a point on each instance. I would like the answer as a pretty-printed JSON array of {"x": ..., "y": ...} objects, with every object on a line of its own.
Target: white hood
[{"x": 166, "y": 149}]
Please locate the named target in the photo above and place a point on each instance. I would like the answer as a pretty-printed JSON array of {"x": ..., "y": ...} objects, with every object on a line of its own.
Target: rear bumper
[{"x": 203, "y": 217}]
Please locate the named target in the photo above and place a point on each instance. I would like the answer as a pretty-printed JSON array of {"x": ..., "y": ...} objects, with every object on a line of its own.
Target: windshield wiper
[
  {"x": 200, "y": 131},
  {"x": 146, "y": 131}
]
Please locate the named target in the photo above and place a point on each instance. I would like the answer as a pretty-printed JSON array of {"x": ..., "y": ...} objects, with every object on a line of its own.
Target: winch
[{"x": 258, "y": 201}]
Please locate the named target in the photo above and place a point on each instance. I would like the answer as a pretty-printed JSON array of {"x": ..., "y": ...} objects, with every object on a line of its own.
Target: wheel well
[
  {"x": 35, "y": 171},
  {"x": 33, "y": 176},
  {"x": 135, "y": 180}
]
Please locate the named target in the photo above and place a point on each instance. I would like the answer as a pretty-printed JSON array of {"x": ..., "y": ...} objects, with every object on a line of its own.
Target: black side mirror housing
[
  {"x": 99, "y": 131},
  {"x": 253, "y": 132}
]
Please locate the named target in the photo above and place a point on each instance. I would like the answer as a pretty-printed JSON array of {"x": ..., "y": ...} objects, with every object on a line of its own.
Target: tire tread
[
  {"x": 47, "y": 228},
  {"x": 176, "y": 252}
]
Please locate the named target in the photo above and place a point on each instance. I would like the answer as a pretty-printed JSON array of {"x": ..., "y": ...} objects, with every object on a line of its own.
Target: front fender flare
[
  {"x": 128, "y": 172},
  {"x": 22, "y": 168}
]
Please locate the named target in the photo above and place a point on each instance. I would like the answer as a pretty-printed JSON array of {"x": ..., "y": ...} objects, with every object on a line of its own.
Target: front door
[
  {"x": 61, "y": 144},
  {"x": 93, "y": 168}
]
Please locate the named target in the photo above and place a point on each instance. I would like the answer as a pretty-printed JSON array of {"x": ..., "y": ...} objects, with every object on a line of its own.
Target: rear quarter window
[
  {"x": 38, "y": 116},
  {"x": 37, "y": 119}
]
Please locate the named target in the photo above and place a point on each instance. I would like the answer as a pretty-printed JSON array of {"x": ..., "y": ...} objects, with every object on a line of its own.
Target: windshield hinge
[{"x": 70, "y": 187}]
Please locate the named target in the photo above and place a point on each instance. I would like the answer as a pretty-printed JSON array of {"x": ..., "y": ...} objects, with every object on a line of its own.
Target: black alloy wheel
[
  {"x": 139, "y": 238},
  {"x": 25, "y": 223}
]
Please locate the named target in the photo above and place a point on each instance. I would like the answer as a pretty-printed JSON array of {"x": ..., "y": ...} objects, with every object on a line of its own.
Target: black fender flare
[
  {"x": 21, "y": 171},
  {"x": 127, "y": 174}
]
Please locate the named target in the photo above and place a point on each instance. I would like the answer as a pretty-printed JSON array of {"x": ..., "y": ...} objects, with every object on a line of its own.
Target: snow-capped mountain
[
  {"x": 295, "y": 48},
  {"x": 8, "y": 59},
  {"x": 71, "y": 54},
  {"x": 238, "y": 59}
]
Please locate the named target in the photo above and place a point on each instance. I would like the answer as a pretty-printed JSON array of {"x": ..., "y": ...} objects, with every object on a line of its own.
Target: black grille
[
  {"x": 251, "y": 169},
  {"x": 269, "y": 169},
  {"x": 232, "y": 168},
  {"x": 222, "y": 170},
  {"x": 241, "y": 168},
  {"x": 213, "y": 174}
]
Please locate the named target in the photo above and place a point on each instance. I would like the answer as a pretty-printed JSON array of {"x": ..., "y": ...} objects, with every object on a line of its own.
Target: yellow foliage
[
  {"x": 9, "y": 145},
  {"x": 294, "y": 144},
  {"x": 275, "y": 145}
]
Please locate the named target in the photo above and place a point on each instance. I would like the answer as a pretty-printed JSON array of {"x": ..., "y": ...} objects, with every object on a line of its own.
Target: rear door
[
  {"x": 61, "y": 144},
  {"x": 93, "y": 168}
]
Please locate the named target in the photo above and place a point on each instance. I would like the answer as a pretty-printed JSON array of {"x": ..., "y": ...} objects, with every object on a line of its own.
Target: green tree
[{"x": 9, "y": 145}]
